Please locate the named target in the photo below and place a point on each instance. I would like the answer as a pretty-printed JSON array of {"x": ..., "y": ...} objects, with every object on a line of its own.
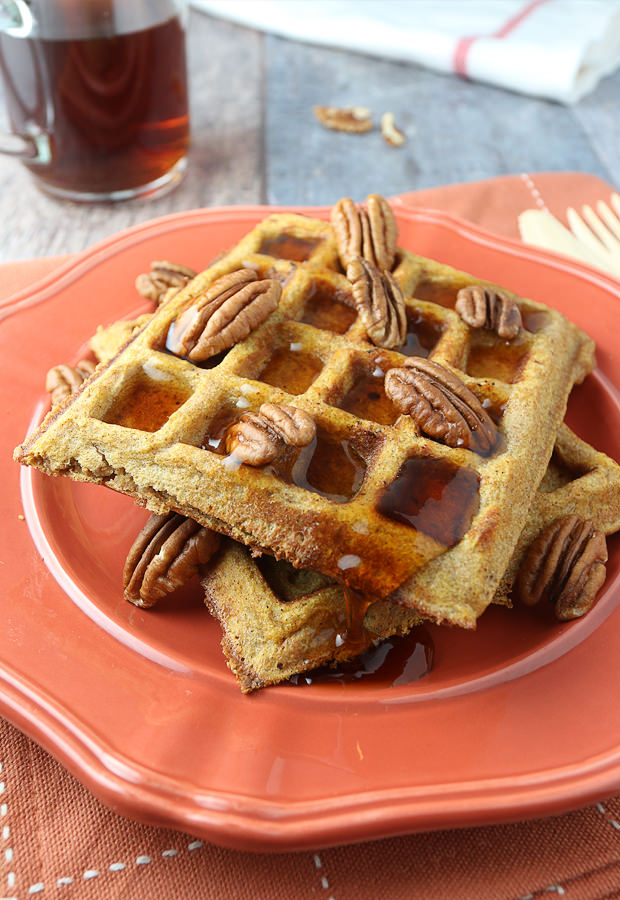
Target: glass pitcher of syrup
[{"x": 96, "y": 92}]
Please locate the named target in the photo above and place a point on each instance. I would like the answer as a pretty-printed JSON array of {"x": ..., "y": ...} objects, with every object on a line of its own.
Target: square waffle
[
  {"x": 151, "y": 425},
  {"x": 278, "y": 621}
]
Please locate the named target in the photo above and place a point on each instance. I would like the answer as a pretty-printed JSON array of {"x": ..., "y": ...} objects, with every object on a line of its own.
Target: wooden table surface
[{"x": 255, "y": 139}]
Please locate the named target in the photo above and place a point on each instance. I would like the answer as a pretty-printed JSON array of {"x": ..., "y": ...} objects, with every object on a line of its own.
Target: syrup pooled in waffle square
[{"x": 371, "y": 501}]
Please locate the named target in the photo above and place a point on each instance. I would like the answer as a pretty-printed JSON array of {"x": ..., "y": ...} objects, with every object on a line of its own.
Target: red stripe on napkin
[{"x": 461, "y": 51}]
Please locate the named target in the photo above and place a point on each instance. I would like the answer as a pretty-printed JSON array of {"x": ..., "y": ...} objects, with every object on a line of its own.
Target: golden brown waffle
[
  {"x": 106, "y": 342},
  {"x": 278, "y": 621},
  {"x": 579, "y": 481},
  {"x": 150, "y": 425}
]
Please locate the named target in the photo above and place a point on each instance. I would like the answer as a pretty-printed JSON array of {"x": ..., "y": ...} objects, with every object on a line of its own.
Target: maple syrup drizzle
[
  {"x": 287, "y": 246},
  {"x": 367, "y": 398},
  {"x": 495, "y": 409},
  {"x": 147, "y": 405},
  {"x": 422, "y": 335},
  {"x": 499, "y": 359},
  {"x": 355, "y": 637},
  {"x": 436, "y": 292},
  {"x": 215, "y": 435},
  {"x": 331, "y": 466},
  {"x": 395, "y": 662},
  {"x": 434, "y": 496},
  {"x": 327, "y": 309},
  {"x": 292, "y": 369}
]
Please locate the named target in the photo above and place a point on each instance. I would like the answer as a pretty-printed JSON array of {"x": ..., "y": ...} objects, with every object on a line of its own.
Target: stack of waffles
[{"x": 377, "y": 436}]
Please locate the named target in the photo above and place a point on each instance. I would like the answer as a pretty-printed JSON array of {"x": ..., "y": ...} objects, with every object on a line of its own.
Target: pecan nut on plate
[
  {"x": 371, "y": 233},
  {"x": 441, "y": 405},
  {"x": 168, "y": 551},
  {"x": 164, "y": 280},
  {"x": 379, "y": 302},
  {"x": 227, "y": 312},
  {"x": 565, "y": 566},
  {"x": 258, "y": 439},
  {"x": 481, "y": 306},
  {"x": 62, "y": 381}
]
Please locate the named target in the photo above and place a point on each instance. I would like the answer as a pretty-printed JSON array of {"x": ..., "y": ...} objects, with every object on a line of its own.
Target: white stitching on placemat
[
  {"x": 324, "y": 882},
  {"x": 92, "y": 874},
  {"x": 557, "y": 888},
  {"x": 6, "y": 834},
  {"x": 534, "y": 191},
  {"x": 613, "y": 822}
]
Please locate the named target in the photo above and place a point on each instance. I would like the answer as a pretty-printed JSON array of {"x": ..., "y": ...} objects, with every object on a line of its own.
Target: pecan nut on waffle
[{"x": 152, "y": 424}]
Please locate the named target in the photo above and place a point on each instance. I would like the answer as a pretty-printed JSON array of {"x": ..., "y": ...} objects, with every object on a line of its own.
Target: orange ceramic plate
[{"x": 518, "y": 719}]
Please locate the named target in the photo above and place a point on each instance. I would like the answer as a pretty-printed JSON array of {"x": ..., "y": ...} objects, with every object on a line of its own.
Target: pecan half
[
  {"x": 163, "y": 281},
  {"x": 166, "y": 554},
  {"x": 62, "y": 381},
  {"x": 370, "y": 233},
  {"x": 227, "y": 312},
  {"x": 351, "y": 119},
  {"x": 294, "y": 426},
  {"x": 258, "y": 439},
  {"x": 390, "y": 133},
  {"x": 565, "y": 566},
  {"x": 441, "y": 405},
  {"x": 485, "y": 307},
  {"x": 379, "y": 302}
]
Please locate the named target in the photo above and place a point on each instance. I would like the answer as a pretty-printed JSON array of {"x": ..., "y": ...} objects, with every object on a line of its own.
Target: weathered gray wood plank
[
  {"x": 457, "y": 130},
  {"x": 225, "y": 166},
  {"x": 599, "y": 116}
]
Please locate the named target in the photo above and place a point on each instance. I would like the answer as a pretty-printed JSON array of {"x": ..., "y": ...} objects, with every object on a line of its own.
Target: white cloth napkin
[{"x": 558, "y": 49}]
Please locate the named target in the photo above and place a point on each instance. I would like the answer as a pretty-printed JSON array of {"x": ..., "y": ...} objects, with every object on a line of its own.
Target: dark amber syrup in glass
[
  {"x": 434, "y": 496},
  {"x": 115, "y": 107}
]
